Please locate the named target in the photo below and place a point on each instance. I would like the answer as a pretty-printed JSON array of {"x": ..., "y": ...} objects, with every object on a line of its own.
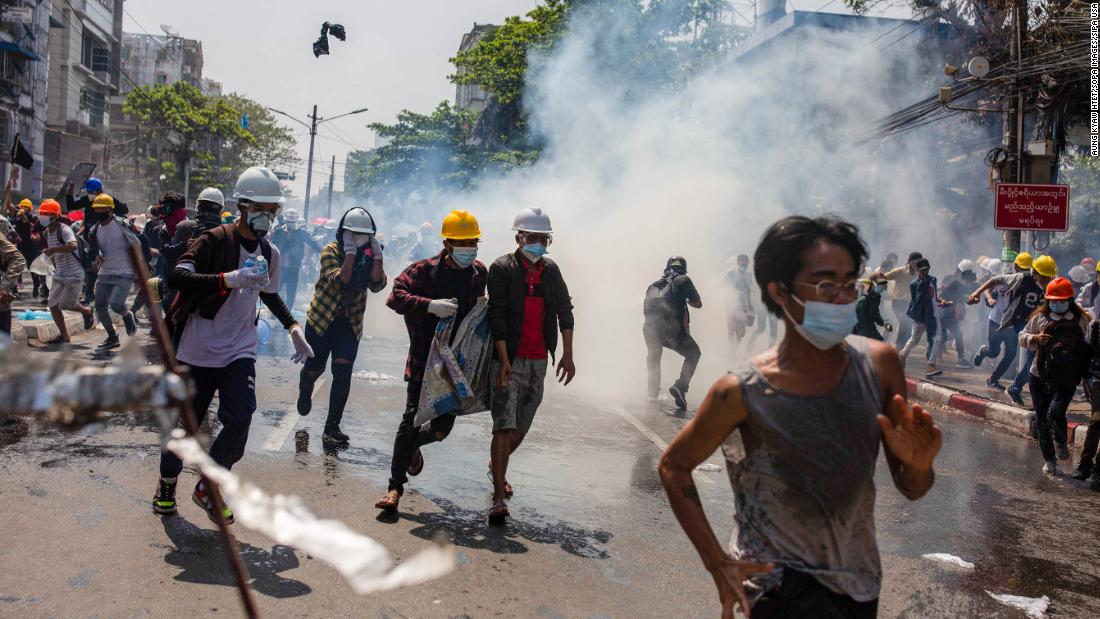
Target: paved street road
[{"x": 592, "y": 535}]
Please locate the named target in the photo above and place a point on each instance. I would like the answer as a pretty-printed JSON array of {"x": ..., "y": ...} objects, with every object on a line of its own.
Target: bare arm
[{"x": 909, "y": 435}]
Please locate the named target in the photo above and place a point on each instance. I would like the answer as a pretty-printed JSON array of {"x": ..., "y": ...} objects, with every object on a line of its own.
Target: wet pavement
[{"x": 591, "y": 533}]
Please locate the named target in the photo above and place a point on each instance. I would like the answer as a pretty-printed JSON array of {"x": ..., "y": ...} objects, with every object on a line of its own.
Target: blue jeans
[
  {"x": 1025, "y": 374},
  {"x": 236, "y": 388},
  {"x": 998, "y": 338},
  {"x": 111, "y": 291}
]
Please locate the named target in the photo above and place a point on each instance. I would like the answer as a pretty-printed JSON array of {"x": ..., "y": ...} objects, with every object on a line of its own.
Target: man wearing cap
[
  {"x": 1025, "y": 290},
  {"x": 447, "y": 284},
  {"x": 68, "y": 275},
  {"x": 528, "y": 303},
  {"x": 221, "y": 278},
  {"x": 109, "y": 240},
  {"x": 350, "y": 266}
]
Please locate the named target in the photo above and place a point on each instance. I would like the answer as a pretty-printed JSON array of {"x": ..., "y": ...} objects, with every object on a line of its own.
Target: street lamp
[{"x": 314, "y": 120}]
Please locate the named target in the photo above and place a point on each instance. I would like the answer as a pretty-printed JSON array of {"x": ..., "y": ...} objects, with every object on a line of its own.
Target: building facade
[
  {"x": 84, "y": 75},
  {"x": 472, "y": 96},
  {"x": 24, "y": 53},
  {"x": 160, "y": 59}
]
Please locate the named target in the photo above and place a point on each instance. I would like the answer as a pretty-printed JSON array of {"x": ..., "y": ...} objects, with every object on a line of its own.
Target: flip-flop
[
  {"x": 416, "y": 465},
  {"x": 507, "y": 486},
  {"x": 388, "y": 503}
]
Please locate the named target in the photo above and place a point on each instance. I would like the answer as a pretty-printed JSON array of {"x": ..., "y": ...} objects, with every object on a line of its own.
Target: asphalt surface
[{"x": 591, "y": 533}]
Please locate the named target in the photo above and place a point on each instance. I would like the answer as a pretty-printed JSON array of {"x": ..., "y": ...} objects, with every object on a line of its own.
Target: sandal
[
  {"x": 498, "y": 513},
  {"x": 507, "y": 486},
  {"x": 389, "y": 502},
  {"x": 416, "y": 464}
]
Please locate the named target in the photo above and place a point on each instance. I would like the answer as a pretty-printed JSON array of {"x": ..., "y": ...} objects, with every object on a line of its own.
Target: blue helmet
[{"x": 93, "y": 184}]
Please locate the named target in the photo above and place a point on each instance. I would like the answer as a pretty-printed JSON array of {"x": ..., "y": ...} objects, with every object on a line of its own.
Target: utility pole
[
  {"x": 331, "y": 181},
  {"x": 1014, "y": 122},
  {"x": 309, "y": 165}
]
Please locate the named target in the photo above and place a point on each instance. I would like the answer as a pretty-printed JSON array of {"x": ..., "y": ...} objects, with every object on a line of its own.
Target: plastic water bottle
[{"x": 260, "y": 263}]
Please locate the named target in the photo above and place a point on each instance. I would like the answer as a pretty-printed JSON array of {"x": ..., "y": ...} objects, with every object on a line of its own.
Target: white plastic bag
[{"x": 42, "y": 265}]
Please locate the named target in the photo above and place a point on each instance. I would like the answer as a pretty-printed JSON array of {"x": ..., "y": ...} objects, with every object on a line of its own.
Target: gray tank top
[{"x": 804, "y": 489}]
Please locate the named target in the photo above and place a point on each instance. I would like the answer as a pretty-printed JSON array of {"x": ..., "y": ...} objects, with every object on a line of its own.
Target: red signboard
[{"x": 1024, "y": 206}]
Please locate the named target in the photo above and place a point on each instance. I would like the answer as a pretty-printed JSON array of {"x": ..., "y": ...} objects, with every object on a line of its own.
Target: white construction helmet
[
  {"x": 994, "y": 266},
  {"x": 259, "y": 184},
  {"x": 357, "y": 219},
  {"x": 966, "y": 265},
  {"x": 212, "y": 194},
  {"x": 532, "y": 219},
  {"x": 1079, "y": 274},
  {"x": 291, "y": 216}
]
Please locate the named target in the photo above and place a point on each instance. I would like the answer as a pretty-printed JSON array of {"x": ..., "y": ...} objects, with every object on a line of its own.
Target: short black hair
[
  {"x": 778, "y": 258},
  {"x": 923, "y": 263},
  {"x": 914, "y": 256},
  {"x": 172, "y": 200}
]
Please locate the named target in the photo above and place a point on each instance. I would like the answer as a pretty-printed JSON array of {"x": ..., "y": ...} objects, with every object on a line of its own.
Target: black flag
[
  {"x": 320, "y": 46},
  {"x": 20, "y": 155}
]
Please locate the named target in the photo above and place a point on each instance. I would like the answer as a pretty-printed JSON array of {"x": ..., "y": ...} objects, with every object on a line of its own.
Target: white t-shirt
[
  {"x": 115, "y": 250},
  {"x": 232, "y": 334},
  {"x": 65, "y": 263}
]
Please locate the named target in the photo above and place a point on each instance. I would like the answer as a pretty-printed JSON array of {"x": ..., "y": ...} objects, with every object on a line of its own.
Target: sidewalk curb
[
  {"x": 1012, "y": 417},
  {"x": 43, "y": 330}
]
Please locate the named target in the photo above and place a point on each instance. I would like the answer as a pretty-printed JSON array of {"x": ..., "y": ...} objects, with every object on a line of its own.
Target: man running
[
  {"x": 528, "y": 303},
  {"x": 740, "y": 314},
  {"x": 293, "y": 240},
  {"x": 109, "y": 240},
  {"x": 898, "y": 292},
  {"x": 68, "y": 276},
  {"x": 812, "y": 414},
  {"x": 447, "y": 284},
  {"x": 350, "y": 265},
  {"x": 922, "y": 310},
  {"x": 220, "y": 279},
  {"x": 667, "y": 326}
]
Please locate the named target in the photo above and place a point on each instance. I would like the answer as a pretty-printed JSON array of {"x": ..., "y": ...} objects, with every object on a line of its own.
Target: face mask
[
  {"x": 44, "y": 220},
  {"x": 1059, "y": 307},
  {"x": 742, "y": 267},
  {"x": 534, "y": 251},
  {"x": 259, "y": 223},
  {"x": 880, "y": 288},
  {"x": 360, "y": 239},
  {"x": 464, "y": 256},
  {"x": 824, "y": 324},
  {"x": 105, "y": 216}
]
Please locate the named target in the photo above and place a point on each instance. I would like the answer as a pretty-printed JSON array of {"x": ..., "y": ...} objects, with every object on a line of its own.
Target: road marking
[
  {"x": 286, "y": 425},
  {"x": 653, "y": 438}
]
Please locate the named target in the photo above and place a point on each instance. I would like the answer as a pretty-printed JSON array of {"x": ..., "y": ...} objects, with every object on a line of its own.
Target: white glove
[
  {"x": 444, "y": 308},
  {"x": 347, "y": 239},
  {"x": 248, "y": 277},
  {"x": 302, "y": 349},
  {"x": 375, "y": 247}
]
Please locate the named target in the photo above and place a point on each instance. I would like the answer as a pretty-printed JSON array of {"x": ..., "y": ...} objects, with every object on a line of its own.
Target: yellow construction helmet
[
  {"x": 460, "y": 226},
  {"x": 26, "y": 204},
  {"x": 103, "y": 201},
  {"x": 1023, "y": 260},
  {"x": 1045, "y": 266}
]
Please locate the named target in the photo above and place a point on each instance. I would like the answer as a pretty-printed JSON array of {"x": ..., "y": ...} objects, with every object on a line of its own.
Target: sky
[{"x": 395, "y": 58}]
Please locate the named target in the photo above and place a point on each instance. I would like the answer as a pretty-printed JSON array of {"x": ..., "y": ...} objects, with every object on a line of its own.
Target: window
[{"x": 94, "y": 54}]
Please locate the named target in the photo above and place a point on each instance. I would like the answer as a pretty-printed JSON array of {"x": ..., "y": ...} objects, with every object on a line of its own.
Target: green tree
[
  {"x": 1082, "y": 174},
  {"x": 272, "y": 145}
]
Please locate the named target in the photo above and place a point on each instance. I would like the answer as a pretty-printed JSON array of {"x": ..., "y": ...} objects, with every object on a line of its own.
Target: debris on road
[
  {"x": 943, "y": 557},
  {"x": 1035, "y": 608},
  {"x": 707, "y": 467}
]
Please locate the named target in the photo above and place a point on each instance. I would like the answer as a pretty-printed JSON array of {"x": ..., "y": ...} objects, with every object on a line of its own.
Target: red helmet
[
  {"x": 1059, "y": 289},
  {"x": 50, "y": 207}
]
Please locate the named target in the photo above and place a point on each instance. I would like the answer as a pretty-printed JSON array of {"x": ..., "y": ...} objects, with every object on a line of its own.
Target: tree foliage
[{"x": 1082, "y": 174}]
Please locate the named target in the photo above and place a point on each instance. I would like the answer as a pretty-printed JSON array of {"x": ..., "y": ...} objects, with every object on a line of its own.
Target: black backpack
[
  {"x": 1065, "y": 358},
  {"x": 660, "y": 302},
  {"x": 82, "y": 255}
]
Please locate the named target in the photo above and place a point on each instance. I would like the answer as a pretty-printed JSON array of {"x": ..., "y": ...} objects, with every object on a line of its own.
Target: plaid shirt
[{"x": 331, "y": 299}]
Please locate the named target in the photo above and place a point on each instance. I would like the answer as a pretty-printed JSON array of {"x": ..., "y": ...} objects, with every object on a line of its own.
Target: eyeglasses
[
  {"x": 830, "y": 290},
  {"x": 535, "y": 237}
]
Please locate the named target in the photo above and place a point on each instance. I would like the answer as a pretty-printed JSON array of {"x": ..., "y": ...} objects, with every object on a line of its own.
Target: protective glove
[
  {"x": 347, "y": 240},
  {"x": 444, "y": 308},
  {"x": 302, "y": 349},
  {"x": 375, "y": 247},
  {"x": 248, "y": 277}
]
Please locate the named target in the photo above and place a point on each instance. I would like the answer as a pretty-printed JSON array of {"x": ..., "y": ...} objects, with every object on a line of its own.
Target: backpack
[
  {"x": 1066, "y": 356},
  {"x": 660, "y": 302},
  {"x": 1031, "y": 294},
  {"x": 82, "y": 255}
]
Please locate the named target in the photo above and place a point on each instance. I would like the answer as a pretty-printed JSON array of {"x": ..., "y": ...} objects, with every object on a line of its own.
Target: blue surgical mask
[
  {"x": 825, "y": 324},
  {"x": 534, "y": 251},
  {"x": 1059, "y": 307},
  {"x": 464, "y": 256}
]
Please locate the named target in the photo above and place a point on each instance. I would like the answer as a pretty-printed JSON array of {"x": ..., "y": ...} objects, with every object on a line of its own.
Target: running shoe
[
  {"x": 963, "y": 365},
  {"x": 305, "y": 399},
  {"x": 1062, "y": 450},
  {"x": 1081, "y": 474},
  {"x": 334, "y": 435},
  {"x": 1051, "y": 468},
  {"x": 994, "y": 384},
  {"x": 89, "y": 320},
  {"x": 678, "y": 396},
  {"x": 1014, "y": 395},
  {"x": 933, "y": 373},
  {"x": 978, "y": 358},
  {"x": 202, "y": 499},
  {"x": 110, "y": 342},
  {"x": 130, "y": 323},
  {"x": 164, "y": 501}
]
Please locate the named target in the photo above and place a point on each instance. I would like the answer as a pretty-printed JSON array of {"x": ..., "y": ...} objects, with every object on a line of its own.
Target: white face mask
[
  {"x": 44, "y": 220},
  {"x": 360, "y": 239}
]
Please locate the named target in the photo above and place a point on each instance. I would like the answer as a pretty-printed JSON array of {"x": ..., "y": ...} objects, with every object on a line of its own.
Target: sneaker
[
  {"x": 678, "y": 396},
  {"x": 110, "y": 342},
  {"x": 994, "y": 384},
  {"x": 202, "y": 499},
  {"x": 131, "y": 325},
  {"x": 1081, "y": 474},
  {"x": 164, "y": 501},
  {"x": 980, "y": 356},
  {"x": 305, "y": 399},
  {"x": 1051, "y": 468},
  {"x": 334, "y": 435},
  {"x": 933, "y": 373},
  {"x": 89, "y": 320},
  {"x": 1014, "y": 395},
  {"x": 963, "y": 365},
  {"x": 1062, "y": 450}
]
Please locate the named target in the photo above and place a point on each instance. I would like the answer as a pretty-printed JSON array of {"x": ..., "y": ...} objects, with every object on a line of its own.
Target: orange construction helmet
[
  {"x": 1059, "y": 289},
  {"x": 49, "y": 206}
]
